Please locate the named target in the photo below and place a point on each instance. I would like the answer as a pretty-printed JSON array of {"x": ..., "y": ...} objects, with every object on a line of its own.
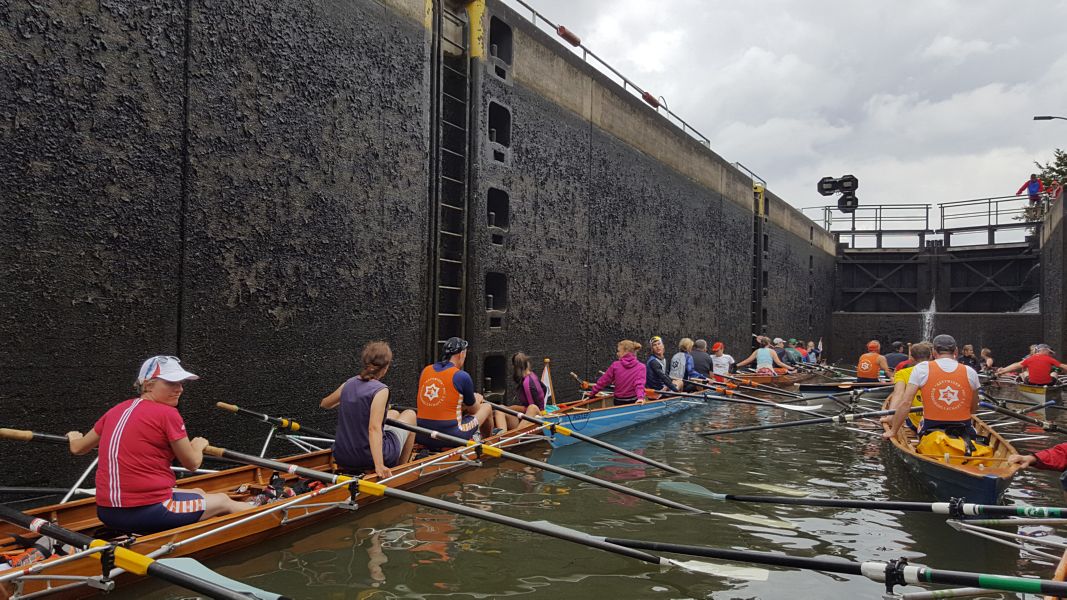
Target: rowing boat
[
  {"x": 980, "y": 481},
  {"x": 779, "y": 380},
  {"x": 879, "y": 389},
  {"x": 600, "y": 417},
  {"x": 73, "y": 579},
  {"x": 1061, "y": 573}
]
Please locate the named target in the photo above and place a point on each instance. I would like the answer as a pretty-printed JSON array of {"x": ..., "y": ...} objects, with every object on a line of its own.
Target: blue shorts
[
  {"x": 465, "y": 429},
  {"x": 182, "y": 509}
]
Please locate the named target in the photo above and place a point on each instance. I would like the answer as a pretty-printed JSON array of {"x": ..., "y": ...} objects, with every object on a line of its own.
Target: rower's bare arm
[
  {"x": 81, "y": 444},
  {"x": 1010, "y": 368},
  {"x": 333, "y": 400},
  {"x": 189, "y": 453},
  {"x": 751, "y": 357},
  {"x": 378, "y": 407}
]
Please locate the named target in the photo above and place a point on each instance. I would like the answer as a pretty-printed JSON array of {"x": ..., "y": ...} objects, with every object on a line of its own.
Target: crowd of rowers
[{"x": 139, "y": 439}]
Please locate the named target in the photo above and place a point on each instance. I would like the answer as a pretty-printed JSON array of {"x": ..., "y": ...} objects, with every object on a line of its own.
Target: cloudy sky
[{"x": 924, "y": 101}]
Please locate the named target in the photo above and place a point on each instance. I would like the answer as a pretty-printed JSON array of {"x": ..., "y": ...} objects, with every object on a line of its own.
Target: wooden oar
[
  {"x": 279, "y": 422},
  {"x": 845, "y": 418},
  {"x": 499, "y": 453},
  {"x": 955, "y": 508},
  {"x": 1047, "y": 426},
  {"x": 377, "y": 489},
  {"x": 124, "y": 558},
  {"x": 893, "y": 573},
  {"x": 25, "y": 435},
  {"x": 560, "y": 429}
]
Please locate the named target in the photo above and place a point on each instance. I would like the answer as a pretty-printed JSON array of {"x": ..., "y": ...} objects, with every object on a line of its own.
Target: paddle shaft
[
  {"x": 124, "y": 558},
  {"x": 899, "y": 573},
  {"x": 493, "y": 451},
  {"x": 955, "y": 509},
  {"x": 1011, "y": 413},
  {"x": 25, "y": 435},
  {"x": 723, "y": 390},
  {"x": 378, "y": 489},
  {"x": 848, "y": 418},
  {"x": 279, "y": 422},
  {"x": 585, "y": 438},
  {"x": 707, "y": 396}
]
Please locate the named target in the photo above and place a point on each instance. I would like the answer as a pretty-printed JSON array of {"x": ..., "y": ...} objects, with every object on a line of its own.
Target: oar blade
[
  {"x": 755, "y": 520},
  {"x": 197, "y": 569},
  {"x": 692, "y": 489}
]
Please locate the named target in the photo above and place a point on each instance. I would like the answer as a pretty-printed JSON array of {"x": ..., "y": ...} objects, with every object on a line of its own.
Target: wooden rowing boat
[
  {"x": 779, "y": 380},
  {"x": 980, "y": 481},
  {"x": 877, "y": 390},
  {"x": 601, "y": 417},
  {"x": 227, "y": 532}
]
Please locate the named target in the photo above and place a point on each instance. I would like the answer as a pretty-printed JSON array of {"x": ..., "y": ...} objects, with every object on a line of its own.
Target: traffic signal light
[{"x": 846, "y": 185}]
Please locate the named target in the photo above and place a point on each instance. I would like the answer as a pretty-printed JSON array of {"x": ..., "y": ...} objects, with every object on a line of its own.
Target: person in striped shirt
[{"x": 138, "y": 440}]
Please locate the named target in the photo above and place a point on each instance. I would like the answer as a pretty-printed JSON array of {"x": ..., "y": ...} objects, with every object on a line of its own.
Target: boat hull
[{"x": 599, "y": 421}]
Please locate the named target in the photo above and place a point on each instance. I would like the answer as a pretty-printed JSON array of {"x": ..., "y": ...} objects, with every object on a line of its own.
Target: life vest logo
[
  {"x": 946, "y": 395},
  {"x": 432, "y": 392},
  {"x": 865, "y": 365}
]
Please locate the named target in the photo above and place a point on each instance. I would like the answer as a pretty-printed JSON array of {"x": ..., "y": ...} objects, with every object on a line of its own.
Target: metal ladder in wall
[
  {"x": 449, "y": 172},
  {"x": 759, "y": 251}
]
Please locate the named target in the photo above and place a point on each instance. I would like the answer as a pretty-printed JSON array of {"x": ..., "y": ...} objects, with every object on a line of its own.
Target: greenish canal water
[{"x": 402, "y": 551}]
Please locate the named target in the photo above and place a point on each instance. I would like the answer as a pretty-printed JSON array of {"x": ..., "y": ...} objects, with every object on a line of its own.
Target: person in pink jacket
[{"x": 627, "y": 373}]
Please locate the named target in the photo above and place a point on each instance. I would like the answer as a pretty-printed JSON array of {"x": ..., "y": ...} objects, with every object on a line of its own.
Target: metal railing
[
  {"x": 659, "y": 103},
  {"x": 973, "y": 216}
]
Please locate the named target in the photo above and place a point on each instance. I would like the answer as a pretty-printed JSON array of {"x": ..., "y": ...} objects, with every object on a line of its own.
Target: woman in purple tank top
[
  {"x": 364, "y": 442},
  {"x": 529, "y": 391}
]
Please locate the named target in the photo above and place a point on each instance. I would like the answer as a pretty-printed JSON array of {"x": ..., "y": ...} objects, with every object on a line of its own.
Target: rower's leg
[
  {"x": 500, "y": 420},
  {"x": 484, "y": 413},
  {"x": 408, "y": 417},
  {"x": 218, "y": 504},
  {"x": 532, "y": 411},
  {"x": 512, "y": 421}
]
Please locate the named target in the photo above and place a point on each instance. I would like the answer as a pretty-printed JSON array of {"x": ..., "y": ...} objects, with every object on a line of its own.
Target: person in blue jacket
[
  {"x": 656, "y": 367},
  {"x": 682, "y": 366}
]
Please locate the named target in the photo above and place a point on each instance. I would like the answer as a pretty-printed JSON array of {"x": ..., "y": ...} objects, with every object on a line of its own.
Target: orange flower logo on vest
[
  {"x": 865, "y": 365},
  {"x": 947, "y": 395},
  {"x": 431, "y": 393}
]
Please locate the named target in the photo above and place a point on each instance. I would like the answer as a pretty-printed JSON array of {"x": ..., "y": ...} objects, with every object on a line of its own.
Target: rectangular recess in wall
[
  {"x": 494, "y": 375},
  {"x": 499, "y": 131},
  {"x": 496, "y": 291}
]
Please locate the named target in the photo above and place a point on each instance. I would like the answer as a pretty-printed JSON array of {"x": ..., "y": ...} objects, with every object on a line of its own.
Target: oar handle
[
  {"x": 25, "y": 435},
  {"x": 279, "y": 422},
  {"x": 227, "y": 407}
]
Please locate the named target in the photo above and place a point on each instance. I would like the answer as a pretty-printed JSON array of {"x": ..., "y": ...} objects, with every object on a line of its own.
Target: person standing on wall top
[
  {"x": 1055, "y": 190},
  {"x": 871, "y": 363},
  {"x": 138, "y": 441},
  {"x": 1033, "y": 187},
  {"x": 897, "y": 356},
  {"x": 364, "y": 441},
  {"x": 702, "y": 361},
  {"x": 656, "y": 367},
  {"x": 682, "y": 365},
  {"x": 627, "y": 374},
  {"x": 1038, "y": 366},
  {"x": 720, "y": 362},
  {"x": 447, "y": 401},
  {"x": 949, "y": 391}
]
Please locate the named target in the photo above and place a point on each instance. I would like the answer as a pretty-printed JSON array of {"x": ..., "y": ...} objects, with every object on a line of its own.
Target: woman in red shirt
[{"x": 138, "y": 440}]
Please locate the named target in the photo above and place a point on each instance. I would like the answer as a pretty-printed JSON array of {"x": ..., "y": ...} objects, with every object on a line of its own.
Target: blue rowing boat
[{"x": 598, "y": 421}]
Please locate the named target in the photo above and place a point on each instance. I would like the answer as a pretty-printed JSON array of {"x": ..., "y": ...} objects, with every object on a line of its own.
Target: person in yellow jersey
[
  {"x": 869, "y": 364},
  {"x": 919, "y": 353},
  {"x": 447, "y": 401}
]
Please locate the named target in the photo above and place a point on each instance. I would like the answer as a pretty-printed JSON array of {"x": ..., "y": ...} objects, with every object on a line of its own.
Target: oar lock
[{"x": 894, "y": 574}]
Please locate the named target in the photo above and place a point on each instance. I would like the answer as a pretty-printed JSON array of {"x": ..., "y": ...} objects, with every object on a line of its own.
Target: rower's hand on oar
[
  {"x": 1023, "y": 460},
  {"x": 640, "y": 401},
  {"x": 383, "y": 472},
  {"x": 199, "y": 443}
]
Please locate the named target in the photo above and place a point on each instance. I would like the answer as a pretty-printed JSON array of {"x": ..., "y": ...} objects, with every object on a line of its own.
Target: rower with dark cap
[
  {"x": 1038, "y": 366},
  {"x": 870, "y": 363},
  {"x": 447, "y": 401},
  {"x": 949, "y": 393},
  {"x": 897, "y": 356}
]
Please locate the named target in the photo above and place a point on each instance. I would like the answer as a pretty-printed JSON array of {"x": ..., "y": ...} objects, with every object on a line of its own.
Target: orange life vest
[
  {"x": 868, "y": 367},
  {"x": 947, "y": 396},
  {"x": 438, "y": 399}
]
